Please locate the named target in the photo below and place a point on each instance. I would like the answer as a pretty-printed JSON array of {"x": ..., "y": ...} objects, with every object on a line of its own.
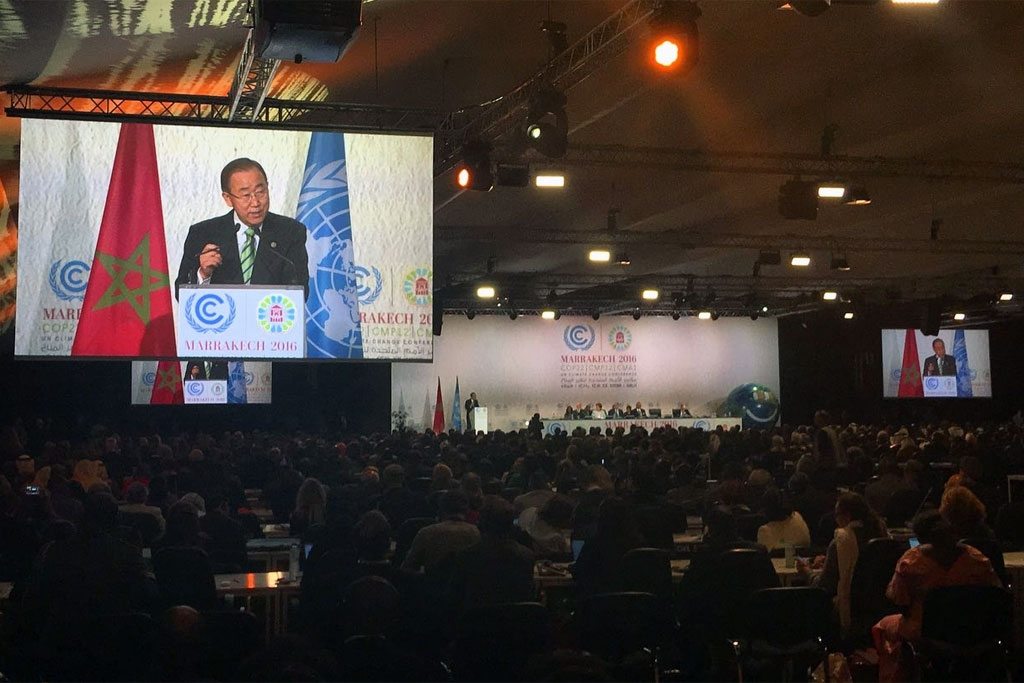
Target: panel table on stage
[{"x": 648, "y": 423}]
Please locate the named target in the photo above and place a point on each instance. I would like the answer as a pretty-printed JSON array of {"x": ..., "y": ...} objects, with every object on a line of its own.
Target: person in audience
[
  {"x": 227, "y": 536},
  {"x": 440, "y": 478},
  {"x": 183, "y": 527},
  {"x": 856, "y": 524},
  {"x": 397, "y": 502},
  {"x": 889, "y": 481},
  {"x": 196, "y": 501},
  {"x": 497, "y": 569},
  {"x": 938, "y": 561},
  {"x": 964, "y": 513},
  {"x": 597, "y": 569},
  {"x": 310, "y": 507},
  {"x": 283, "y": 486},
  {"x": 550, "y": 526},
  {"x": 135, "y": 504},
  {"x": 785, "y": 526},
  {"x": 540, "y": 492},
  {"x": 472, "y": 487},
  {"x": 452, "y": 533}
]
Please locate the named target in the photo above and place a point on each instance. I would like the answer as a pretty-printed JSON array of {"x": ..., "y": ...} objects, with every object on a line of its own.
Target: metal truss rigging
[{"x": 251, "y": 84}]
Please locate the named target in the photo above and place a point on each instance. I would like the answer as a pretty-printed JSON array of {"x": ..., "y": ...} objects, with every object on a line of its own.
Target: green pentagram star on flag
[
  {"x": 168, "y": 380},
  {"x": 139, "y": 298}
]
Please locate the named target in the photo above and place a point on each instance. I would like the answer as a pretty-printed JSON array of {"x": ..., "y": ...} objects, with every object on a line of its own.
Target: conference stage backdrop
[
  {"x": 105, "y": 208},
  {"x": 528, "y": 365}
]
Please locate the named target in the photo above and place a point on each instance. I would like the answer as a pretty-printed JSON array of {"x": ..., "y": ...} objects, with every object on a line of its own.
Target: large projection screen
[
  {"x": 252, "y": 382},
  {"x": 348, "y": 215},
  {"x": 952, "y": 364},
  {"x": 529, "y": 365}
]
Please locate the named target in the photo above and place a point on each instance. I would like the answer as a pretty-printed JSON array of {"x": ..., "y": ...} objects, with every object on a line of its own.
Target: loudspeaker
[
  {"x": 438, "y": 317},
  {"x": 932, "y": 318},
  {"x": 305, "y": 30}
]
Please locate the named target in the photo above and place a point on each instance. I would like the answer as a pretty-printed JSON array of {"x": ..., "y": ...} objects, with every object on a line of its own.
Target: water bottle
[
  {"x": 790, "y": 555},
  {"x": 293, "y": 562}
]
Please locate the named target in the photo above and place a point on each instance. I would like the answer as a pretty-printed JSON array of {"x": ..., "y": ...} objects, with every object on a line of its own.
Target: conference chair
[
  {"x": 185, "y": 577},
  {"x": 876, "y": 564},
  {"x": 782, "y": 633},
  {"x": 1010, "y": 525},
  {"x": 617, "y": 625},
  {"x": 965, "y": 633},
  {"x": 406, "y": 532},
  {"x": 647, "y": 570},
  {"x": 495, "y": 642},
  {"x": 993, "y": 550},
  {"x": 655, "y": 522}
]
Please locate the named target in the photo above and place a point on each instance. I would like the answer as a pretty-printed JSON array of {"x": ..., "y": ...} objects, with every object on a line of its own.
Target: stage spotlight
[
  {"x": 704, "y": 315},
  {"x": 485, "y": 292},
  {"x": 549, "y": 179},
  {"x": 798, "y": 199},
  {"x": 637, "y": 314},
  {"x": 547, "y": 126},
  {"x": 764, "y": 309},
  {"x": 800, "y": 260},
  {"x": 470, "y": 314},
  {"x": 513, "y": 314},
  {"x": 1006, "y": 296},
  {"x": 676, "y": 315},
  {"x": 959, "y": 316},
  {"x": 831, "y": 190},
  {"x": 600, "y": 255},
  {"x": 848, "y": 315},
  {"x": 596, "y": 315},
  {"x": 754, "y": 315},
  {"x": 548, "y": 314},
  {"x": 858, "y": 196},
  {"x": 808, "y": 8},
  {"x": 674, "y": 44},
  {"x": 714, "y": 315},
  {"x": 829, "y": 296},
  {"x": 839, "y": 263},
  {"x": 622, "y": 259},
  {"x": 649, "y": 295},
  {"x": 474, "y": 171}
]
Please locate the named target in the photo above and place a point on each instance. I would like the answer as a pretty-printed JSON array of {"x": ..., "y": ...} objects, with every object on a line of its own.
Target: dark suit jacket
[
  {"x": 280, "y": 234},
  {"x": 931, "y": 366}
]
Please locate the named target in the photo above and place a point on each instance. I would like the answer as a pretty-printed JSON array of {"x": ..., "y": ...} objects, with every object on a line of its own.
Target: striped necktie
[{"x": 248, "y": 254}]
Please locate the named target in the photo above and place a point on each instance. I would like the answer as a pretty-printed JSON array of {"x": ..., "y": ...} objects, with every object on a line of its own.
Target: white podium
[
  {"x": 935, "y": 386},
  {"x": 241, "y": 321},
  {"x": 479, "y": 420}
]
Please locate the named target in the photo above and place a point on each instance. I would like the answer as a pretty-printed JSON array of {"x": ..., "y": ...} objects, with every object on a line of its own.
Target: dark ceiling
[{"x": 934, "y": 83}]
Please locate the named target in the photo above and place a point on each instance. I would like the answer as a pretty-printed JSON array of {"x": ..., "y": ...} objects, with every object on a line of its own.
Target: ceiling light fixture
[
  {"x": 848, "y": 315},
  {"x": 474, "y": 171},
  {"x": 485, "y": 292},
  {"x": 1006, "y": 296},
  {"x": 600, "y": 255},
  {"x": 547, "y": 314},
  {"x": 547, "y": 127},
  {"x": 622, "y": 259},
  {"x": 800, "y": 260},
  {"x": 674, "y": 43},
  {"x": 649, "y": 295},
  {"x": 831, "y": 190},
  {"x": 830, "y": 295},
  {"x": 839, "y": 263},
  {"x": 550, "y": 179},
  {"x": 704, "y": 315},
  {"x": 858, "y": 196},
  {"x": 637, "y": 313},
  {"x": 959, "y": 316}
]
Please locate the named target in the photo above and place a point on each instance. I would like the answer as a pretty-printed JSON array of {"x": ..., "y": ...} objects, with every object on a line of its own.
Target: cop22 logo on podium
[{"x": 241, "y": 321}]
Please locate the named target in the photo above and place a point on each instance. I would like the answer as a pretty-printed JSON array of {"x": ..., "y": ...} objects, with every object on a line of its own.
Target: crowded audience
[{"x": 453, "y": 523}]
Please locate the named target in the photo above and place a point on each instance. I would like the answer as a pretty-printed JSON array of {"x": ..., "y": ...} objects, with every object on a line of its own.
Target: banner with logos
[
  {"x": 520, "y": 367},
  {"x": 365, "y": 202}
]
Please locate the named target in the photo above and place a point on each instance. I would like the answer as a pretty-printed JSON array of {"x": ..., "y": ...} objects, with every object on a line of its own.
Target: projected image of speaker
[{"x": 306, "y": 31}]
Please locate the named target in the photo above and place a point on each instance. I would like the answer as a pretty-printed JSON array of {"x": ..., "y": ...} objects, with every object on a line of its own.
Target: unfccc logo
[
  {"x": 209, "y": 312},
  {"x": 932, "y": 383},
  {"x": 69, "y": 280},
  {"x": 195, "y": 388},
  {"x": 579, "y": 337}
]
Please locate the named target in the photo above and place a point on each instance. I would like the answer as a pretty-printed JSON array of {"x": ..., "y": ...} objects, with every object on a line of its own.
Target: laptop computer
[
  {"x": 677, "y": 412},
  {"x": 654, "y": 412}
]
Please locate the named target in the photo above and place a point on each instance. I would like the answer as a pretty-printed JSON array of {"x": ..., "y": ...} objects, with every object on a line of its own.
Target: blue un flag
[
  {"x": 332, "y": 310},
  {"x": 963, "y": 368},
  {"x": 237, "y": 391}
]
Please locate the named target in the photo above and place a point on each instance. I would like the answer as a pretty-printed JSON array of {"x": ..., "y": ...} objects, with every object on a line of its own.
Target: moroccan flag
[
  {"x": 127, "y": 308},
  {"x": 167, "y": 387},
  {"x": 963, "y": 367},
  {"x": 439, "y": 410},
  {"x": 457, "y": 408},
  {"x": 910, "y": 375}
]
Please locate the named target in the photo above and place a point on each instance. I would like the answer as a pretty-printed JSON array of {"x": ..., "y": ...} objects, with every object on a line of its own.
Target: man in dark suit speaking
[
  {"x": 248, "y": 245},
  {"x": 940, "y": 364}
]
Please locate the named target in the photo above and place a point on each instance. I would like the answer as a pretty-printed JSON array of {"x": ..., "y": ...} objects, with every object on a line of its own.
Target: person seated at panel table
[
  {"x": 570, "y": 412},
  {"x": 599, "y": 413},
  {"x": 628, "y": 411},
  {"x": 684, "y": 411},
  {"x": 587, "y": 412},
  {"x": 640, "y": 412},
  {"x": 614, "y": 412}
]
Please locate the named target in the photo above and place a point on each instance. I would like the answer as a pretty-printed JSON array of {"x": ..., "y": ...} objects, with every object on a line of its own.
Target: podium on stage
[
  {"x": 479, "y": 419},
  {"x": 241, "y": 321}
]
